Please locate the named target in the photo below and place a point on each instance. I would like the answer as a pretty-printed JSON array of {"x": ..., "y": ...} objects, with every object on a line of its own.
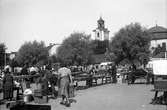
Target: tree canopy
[
  {"x": 75, "y": 49},
  {"x": 32, "y": 53},
  {"x": 131, "y": 44}
]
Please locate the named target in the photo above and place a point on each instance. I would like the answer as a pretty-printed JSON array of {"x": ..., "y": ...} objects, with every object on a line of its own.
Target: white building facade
[
  {"x": 158, "y": 39},
  {"x": 160, "y": 42},
  {"x": 101, "y": 33}
]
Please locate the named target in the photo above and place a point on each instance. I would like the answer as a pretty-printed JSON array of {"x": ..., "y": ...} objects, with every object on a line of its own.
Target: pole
[{"x": 5, "y": 59}]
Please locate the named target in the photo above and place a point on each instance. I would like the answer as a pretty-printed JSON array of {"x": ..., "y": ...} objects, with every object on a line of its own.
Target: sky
[{"x": 54, "y": 20}]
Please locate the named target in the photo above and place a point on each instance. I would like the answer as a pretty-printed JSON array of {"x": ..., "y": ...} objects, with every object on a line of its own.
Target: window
[
  {"x": 164, "y": 46},
  {"x": 98, "y": 35}
]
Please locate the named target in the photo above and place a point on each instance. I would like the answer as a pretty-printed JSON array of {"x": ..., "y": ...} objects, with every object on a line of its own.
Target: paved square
[{"x": 110, "y": 97}]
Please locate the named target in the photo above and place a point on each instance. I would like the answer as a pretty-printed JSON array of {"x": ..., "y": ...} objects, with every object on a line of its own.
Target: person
[
  {"x": 44, "y": 84},
  {"x": 33, "y": 70},
  {"x": 114, "y": 74},
  {"x": 28, "y": 94},
  {"x": 90, "y": 74},
  {"x": 17, "y": 87},
  {"x": 131, "y": 76},
  {"x": 52, "y": 80},
  {"x": 110, "y": 70},
  {"x": 24, "y": 71},
  {"x": 55, "y": 81},
  {"x": 8, "y": 85},
  {"x": 65, "y": 79}
]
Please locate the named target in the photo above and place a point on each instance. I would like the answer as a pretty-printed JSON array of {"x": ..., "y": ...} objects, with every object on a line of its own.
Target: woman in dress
[
  {"x": 64, "y": 82},
  {"x": 8, "y": 85}
]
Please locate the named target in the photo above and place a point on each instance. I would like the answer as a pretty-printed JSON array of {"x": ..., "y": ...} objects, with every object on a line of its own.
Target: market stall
[{"x": 160, "y": 81}]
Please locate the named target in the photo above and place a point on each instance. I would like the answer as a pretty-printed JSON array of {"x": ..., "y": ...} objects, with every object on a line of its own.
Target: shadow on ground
[
  {"x": 159, "y": 101},
  {"x": 73, "y": 101}
]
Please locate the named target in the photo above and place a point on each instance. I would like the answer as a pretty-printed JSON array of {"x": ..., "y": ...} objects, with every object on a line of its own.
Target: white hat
[{"x": 7, "y": 67}]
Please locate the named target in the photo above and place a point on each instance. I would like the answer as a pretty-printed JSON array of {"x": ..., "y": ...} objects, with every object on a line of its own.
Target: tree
[
  {"x": 131, "y": 44},
  {"x": 75, "y": 49},
  {"x": 2, "y": 54},
  {"x": 32, "y": 53}
]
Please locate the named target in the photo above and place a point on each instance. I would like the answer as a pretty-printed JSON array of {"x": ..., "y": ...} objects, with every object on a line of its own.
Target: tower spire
[
  {"x": 156, "y": 24},
  {"x": 100, "y": 23}
]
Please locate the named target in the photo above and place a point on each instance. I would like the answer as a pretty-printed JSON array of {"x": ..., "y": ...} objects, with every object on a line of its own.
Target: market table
[{"x": 160, "y": 86}]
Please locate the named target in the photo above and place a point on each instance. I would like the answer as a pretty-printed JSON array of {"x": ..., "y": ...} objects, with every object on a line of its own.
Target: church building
[{"x": 101, "y": 33}]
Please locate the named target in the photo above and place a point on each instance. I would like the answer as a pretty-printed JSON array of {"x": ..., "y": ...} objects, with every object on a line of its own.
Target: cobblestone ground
[{"x": 110, "y": 97}]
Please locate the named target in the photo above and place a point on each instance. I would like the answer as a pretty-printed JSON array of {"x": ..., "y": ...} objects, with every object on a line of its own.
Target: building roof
[
  {"x": 101, "y": 29},
  {"x": 50, "y": 46},
  {"x": 158, "y": 32},
  {"x": 100, "y": 20},
  {"x": 105, "y": 30},
  {"x": 158, "y": 29},
  {"x": 159, "y": 36}
]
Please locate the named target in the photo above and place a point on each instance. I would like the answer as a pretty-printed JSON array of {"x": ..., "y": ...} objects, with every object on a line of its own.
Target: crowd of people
[{"x": 49, "y": 78}]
